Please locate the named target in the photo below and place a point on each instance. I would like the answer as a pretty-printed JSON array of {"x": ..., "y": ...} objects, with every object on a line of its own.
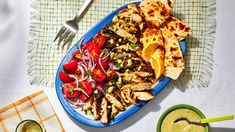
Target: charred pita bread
[
  {"x": 176, "y": 27},
  {"x": 168, "y": 3},
  {"x": 152, "y": 35},
  {"x": 173, "y": 60},
  {"x": 156, "y": 12}
]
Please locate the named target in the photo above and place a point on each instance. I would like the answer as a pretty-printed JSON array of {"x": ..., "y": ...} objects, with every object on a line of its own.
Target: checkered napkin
[
  {"x": 36, "y": 107},
  {"x": 44, "y": 56}
]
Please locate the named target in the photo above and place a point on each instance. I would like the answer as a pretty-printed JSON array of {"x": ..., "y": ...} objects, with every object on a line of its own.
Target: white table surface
[{"x": 216, "y": 99}]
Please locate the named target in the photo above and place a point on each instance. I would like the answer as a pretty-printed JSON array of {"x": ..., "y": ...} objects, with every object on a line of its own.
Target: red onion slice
[
  {"x": 84, "y": 57},
  {"x": 84, "y": 66},
  {"x": 76, "y": 104},
  {"x": 99, "y": 61},
  {"x": 85, "y": 93},
  {"x": 93, "y": 67},
  {"x": 111, "y": 66},
  {"x": 82, "y": 71},
  {"x": 99, "y": 88},
  {"x": 106, "y": 57}
]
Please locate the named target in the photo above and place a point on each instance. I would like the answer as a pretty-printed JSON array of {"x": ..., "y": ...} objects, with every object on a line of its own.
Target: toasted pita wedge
[
  {"x": 168, "y": 3},
  {"x": 179, "y": 29},
  {"x": 173, "y": 72},
  {"x": 173, "y": 61},
  {"x": 152, "y": 36},
  {"x": 156, "y": 12},
  {"x": 134, "y": 7}
]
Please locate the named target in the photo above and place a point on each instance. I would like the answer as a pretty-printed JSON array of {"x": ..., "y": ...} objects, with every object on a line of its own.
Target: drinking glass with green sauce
[{"x": 29, "y": 126}]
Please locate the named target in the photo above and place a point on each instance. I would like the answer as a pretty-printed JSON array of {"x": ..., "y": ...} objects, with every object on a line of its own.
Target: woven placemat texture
[
  {"x": 34, "y": 107},
  {"x": 44, "y": 56}
]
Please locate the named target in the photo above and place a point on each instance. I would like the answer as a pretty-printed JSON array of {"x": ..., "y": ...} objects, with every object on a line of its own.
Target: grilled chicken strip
[
  {"x": 124, "y": 33},
  {"x": 125, "y": 98},
  {"x": 114, "y": 111},
  {"x": 138, "y": 86},
  {"x": 96, "y": 105},
  {"x": 143, "y": 74},
  {"x": 129, "y": 96},
  {"x": 131, "y": 78},
  {"x": 94, "y": 109},
  {"x": 104, "y": 111},
  {"x": 118, "y": 96},
  {"x": 114, "y": 101},
  {"x": 143, "y": 95}
]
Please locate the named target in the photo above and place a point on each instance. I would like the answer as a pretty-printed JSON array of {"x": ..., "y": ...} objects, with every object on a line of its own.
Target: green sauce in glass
[{"x": 29, "y": 126}]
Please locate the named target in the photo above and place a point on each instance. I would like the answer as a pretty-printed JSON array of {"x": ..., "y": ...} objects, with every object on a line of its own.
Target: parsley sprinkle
[
  {"x": 88, "y": 73},
  {"x": 132, "y": 45},
  {"x": 117, "y": 65},
  {"x": 105, "y": 51}
]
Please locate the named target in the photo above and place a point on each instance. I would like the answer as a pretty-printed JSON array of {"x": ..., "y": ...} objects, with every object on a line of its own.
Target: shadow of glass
[
  {"x": 151, "y": 106},
  {"x": 7, "y": 17},
  {"x": 7, "y": 33},
  {"x": 5, "y": 8},
  {"x": 220, "y": 129}
]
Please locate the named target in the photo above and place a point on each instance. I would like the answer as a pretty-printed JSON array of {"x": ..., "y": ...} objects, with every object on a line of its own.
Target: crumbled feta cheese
[
  {"x": 96, "y": 91},
  {"x": 119, "y": 61}
]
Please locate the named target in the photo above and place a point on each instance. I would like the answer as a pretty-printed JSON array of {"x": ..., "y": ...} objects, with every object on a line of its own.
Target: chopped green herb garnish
[
  {"x": 88, "y": 73},
  {"x": 123, "y": 81},
  {"x": 133, "y": 45},
  {"x": 114, "y": 78},
  {"x": 83, "y": 52},
  {"x": 105, "y": 51},
  {"x": 124, "y": 20},
  {"x": 71, "y": 91},
  {"x": 85, "y": 111},
  {"x": 117, "y": 65}
]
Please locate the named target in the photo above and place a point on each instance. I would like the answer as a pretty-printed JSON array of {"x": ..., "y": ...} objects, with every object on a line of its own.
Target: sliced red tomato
[
  {"x": 98, "y": 75},
  {"x": 83, "y": 97},
  {"x": 78, "y": 71},
  {"x": 95, "y": 53},
  {"x": 77, "y": 56},
  {"x": 86, "y": 87},
  {"x": 89, "y": 46},
  {"x": 104, "y": 64},
  {"x": 99, "y": 40},
  {"x": 100, "y": 83},
  {"x": 69, "y": 91},
  {"x": 71, "y": 67},
  {"x": 65, "y": 78}
]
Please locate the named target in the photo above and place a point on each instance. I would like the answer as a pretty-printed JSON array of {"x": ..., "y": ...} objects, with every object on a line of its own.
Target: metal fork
[{"x": 70, "y": 28}]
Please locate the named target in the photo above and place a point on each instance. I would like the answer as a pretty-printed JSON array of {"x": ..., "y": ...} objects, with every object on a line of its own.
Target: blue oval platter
[{"x": 77, "y": 113}]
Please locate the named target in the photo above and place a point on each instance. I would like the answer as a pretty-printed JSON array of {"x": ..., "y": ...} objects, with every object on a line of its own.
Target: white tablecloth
[{"x": 217, "y": 99}]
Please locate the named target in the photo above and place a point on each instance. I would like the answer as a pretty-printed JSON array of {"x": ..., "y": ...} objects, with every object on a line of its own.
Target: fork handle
[{"x": 84, "y": 6}]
